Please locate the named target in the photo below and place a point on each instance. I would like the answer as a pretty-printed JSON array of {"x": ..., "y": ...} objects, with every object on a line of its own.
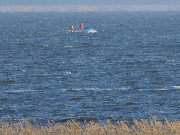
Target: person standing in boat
[
  {"x": 72, "y": 28},
  {"x": 82, "y": 26}
]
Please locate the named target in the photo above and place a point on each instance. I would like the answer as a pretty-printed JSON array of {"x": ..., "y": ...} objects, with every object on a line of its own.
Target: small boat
[{"x": 82, "y": 29}]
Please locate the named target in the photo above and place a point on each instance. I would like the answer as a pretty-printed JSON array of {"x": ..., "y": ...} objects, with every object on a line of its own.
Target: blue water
[{"x": 129, "y": 70}]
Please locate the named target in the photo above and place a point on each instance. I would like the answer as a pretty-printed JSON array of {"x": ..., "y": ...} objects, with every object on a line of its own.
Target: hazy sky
[
  {"x": 88, "y": 5},
  {"x": 89, "y": 1}
]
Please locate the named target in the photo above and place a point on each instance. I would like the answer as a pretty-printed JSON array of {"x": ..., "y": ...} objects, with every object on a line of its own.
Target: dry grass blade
[{"x": 143, "y": 127}]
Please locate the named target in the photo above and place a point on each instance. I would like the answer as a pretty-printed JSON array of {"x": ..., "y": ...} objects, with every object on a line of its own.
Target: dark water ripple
[{"x": 128, "y": 70}]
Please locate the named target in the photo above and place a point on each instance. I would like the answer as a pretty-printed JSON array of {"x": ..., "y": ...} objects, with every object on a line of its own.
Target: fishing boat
[{"x": 82, "y": 29}]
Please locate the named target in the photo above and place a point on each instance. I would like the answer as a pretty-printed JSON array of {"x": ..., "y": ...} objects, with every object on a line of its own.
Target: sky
[
  {"x": 88, "y": 5},
  {"x": 89, "y": 1}
]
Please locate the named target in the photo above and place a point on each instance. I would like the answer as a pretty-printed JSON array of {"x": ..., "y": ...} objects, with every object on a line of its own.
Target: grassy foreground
[{"x": 92, "y": 128}]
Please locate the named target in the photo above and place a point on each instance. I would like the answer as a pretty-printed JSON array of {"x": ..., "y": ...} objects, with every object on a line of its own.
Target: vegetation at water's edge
[{"x": 92, "y": 128}]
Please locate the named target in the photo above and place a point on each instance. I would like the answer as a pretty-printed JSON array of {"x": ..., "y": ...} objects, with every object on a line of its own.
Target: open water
[{"x": 129, "y": 70}]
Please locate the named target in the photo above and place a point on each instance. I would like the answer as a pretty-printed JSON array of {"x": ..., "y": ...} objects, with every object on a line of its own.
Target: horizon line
[{"x": 87, "y": 8}]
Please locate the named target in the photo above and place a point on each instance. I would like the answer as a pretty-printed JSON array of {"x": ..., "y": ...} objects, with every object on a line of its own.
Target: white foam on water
[
  {"x": 162, "y": 89},
  {"x": 153, "y": 89},
  {"x": 21, "y": 91},
  {"x": 97, "y": 89},
  {"x": 176, "y": 87},
  {"x": 67, "y": 72},
  {"x": 23, "y": 70},
  {"x": 124, "y": 88},
  {"x": 68, "y": 46}
]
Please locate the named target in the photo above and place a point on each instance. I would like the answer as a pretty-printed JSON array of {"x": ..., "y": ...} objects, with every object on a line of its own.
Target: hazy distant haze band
[
  {"x": 87, "y": 8},
  {"x": 95, "y": 2}
]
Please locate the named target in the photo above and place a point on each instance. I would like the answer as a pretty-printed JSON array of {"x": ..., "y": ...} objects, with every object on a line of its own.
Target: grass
[{"x": 142, "y": 127}]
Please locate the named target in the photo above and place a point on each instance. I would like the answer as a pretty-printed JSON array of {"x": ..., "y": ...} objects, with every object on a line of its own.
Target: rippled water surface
[{"x": 130, "y": 69}]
